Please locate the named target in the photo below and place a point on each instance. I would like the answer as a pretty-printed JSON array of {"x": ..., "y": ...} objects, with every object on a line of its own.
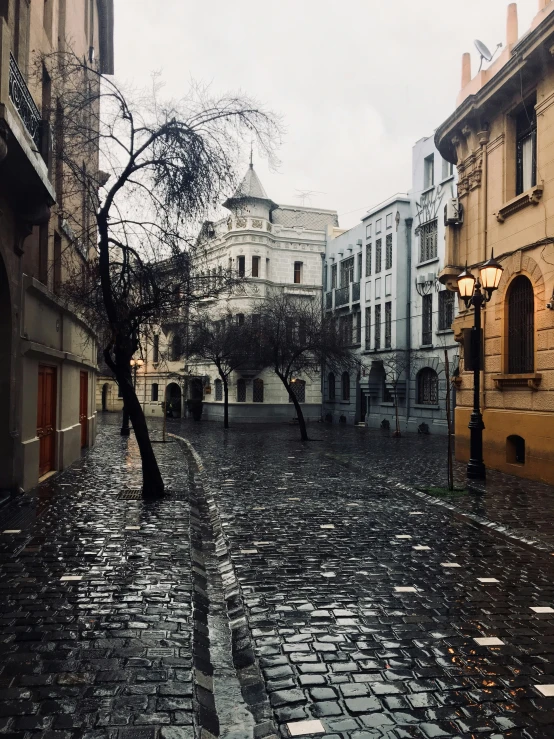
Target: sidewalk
[{"x": 96, "y": 623}]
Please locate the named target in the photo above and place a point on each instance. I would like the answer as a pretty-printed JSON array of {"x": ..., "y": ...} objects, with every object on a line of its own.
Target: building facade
[
  {"x": 48, "y": 358},
  {"x": 276, "y": 248},
  {"x": 380, "y": 281},
  {"x": 500, "y": 137}
]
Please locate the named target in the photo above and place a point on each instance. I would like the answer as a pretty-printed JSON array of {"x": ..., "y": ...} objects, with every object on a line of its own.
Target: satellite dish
[{"x": 484, "y": 52}]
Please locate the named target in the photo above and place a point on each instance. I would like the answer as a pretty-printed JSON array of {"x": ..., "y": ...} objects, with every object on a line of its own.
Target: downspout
[
  {"x": 484, "y": 137},
  {"x": 323, "y": 289},
  {"x": 409, "y": 223}
]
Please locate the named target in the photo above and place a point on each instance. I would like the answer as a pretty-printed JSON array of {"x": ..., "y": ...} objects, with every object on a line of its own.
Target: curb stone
[{"x": 247, "y": 667}]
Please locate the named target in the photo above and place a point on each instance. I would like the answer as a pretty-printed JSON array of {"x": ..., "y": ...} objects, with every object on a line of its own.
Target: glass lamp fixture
[
  {"x": 466, "y": 285},
  {"x": 491, "y": 274}
]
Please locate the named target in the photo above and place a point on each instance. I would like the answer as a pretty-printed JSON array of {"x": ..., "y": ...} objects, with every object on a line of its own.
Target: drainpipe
[
  {"x": 484, "y": 137},
  {"x": 408, "y": 222}
]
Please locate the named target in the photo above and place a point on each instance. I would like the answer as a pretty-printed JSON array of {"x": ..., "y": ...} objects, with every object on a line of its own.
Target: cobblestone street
[{"x": 354, "y": 601}]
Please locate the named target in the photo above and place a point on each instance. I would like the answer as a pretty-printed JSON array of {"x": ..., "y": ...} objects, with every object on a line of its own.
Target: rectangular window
[
  {"x": 378, "y": 255},
  {"x": 446, "y": 309},
  {"x": 378, "y": 288},
  {"x": 526, "y": 148},
  {"x": 429, "y": 171},
  {"x": 447, "y": 169},
  {"x": 241, "y": 266},
  {"x": 358, "y": 329},
  {"x": 346, "y": 271},
  {"x": 156, "y": 349},
  {"x": 378, "y": 224},
  {"x": 359, "y": 266},
  {"x": 255, "y": 266},
  {"x": 388, "y": 253},
  {"x": 368, "y": 231},
  {"x": 368, "y": 260},
  {"x": 154, "y": 391},
  {"x": 428, "y": 239},
  {"x": 324, "y": 277},
  {"x": 267, "y": 268},
  {"x": 240, "y": 319},
  {"x": 368, "y": 290},
  {"x": 389, "y": 220},
  {"x": 388, "y": 324},
  {"x": 388, "y": 284},
  {"x": 258, "y": 391},
  {"x": 368, "y": 328},
  {"x": 218, "y": 390},
  {"x": 377, "y": 326},
  {"x": 427, "y": 320},
  {"x": 241, "y": 391},
  {"x": 333, "y": 276},
  {"x": 297, "y": 273}
]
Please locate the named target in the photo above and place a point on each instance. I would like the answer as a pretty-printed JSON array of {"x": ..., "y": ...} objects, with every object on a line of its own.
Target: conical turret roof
[{"x": 250, "y": 188}]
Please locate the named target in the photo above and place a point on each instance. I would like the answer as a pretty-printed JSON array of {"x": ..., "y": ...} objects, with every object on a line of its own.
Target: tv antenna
[
  {"x": 484, "y": 52},
  {"x": 304, "y": 195}
]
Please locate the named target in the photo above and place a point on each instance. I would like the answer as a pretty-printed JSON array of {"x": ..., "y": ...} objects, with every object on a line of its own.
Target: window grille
[
  {"x": 388, "y": 324},
  {"x": 368, "y": 328},
  {"x": 427, "y": 320},
  {"x": 258, "y": 391},
  {"x": 241, "y": 391},
  {"x": 298, "y": 387},
  {"x": 347, "y": 329},
  {"x": 521, "y": 326},
  {"x": 156, "y": 350},
  {"x": 358, "y": 329},
  {"x": 427, "y": 387},
  {"x": 346, "y": 271},
  {"x": 333, "y": 276},
  {"x": 378, "y": 249},
  {"x": 446, "y": 309},
  {"x": 368, "y": 260},
  {"x": 154, "y": 391},
  {"x": 526, "y": 148},
  {"x": 331, "y": 386},
  {"x": 345, "y": 387},
  {"x": 377, "y": 326},
  {"x": 428, "y": 241},
  {"x": 218, "y": 390},
  {"x": 388, "y": 253},
  {"x": 359, "y": 266}
]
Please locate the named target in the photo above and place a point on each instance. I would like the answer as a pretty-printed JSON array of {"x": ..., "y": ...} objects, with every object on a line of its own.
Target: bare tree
[
  {"x": 296, "y": 340},
  {"x": 398, "y": 367},
  {"x": 227, "y": 342},
  {"x": 165, "y": 165}
]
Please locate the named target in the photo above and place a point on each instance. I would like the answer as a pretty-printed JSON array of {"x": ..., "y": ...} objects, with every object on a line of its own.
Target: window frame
[
  {"x": 427, "y": 387},
  {"x": 520, "y": 337},
  {"x": 522, "y": 134},
  {"x": 297, "y": 273},
  {"x": 345, "y": 387},
  {"x": 378, "y": 255},
  {"x": 256, "y": 263},
  {"x": 218, "y": 391},
  {"x": 154, "y": 391},
  {"x": 427, "y": 320},
  {"x": 241, "y": 265},
  {"x": 368, "y": 250},
  {"x": 428, "y": 241},
  {"x": 388, "y": 251},
  {"x": 331, "y": 387},
  {"x": 388, "y": 324},
  {"x": 241, "y": 390},
  {"x": 447, "y": 308},
  {"x": 256, "y": 397}
]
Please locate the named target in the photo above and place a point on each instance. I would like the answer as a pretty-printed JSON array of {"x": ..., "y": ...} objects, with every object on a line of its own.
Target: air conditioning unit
[
  {"x": 420, "y": 279},
  {"x": 453, "y": 212},
  {"x": 359, "y": 242}
]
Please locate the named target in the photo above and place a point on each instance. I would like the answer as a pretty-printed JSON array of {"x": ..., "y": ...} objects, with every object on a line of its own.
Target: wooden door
[
  {"x": 46, "y": 418},
  {"x": 83, "y": 406}
]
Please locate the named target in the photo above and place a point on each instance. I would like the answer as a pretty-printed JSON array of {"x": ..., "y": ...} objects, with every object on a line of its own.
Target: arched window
[
  {"x": 427, "y": 387},
  {"x": 176, "y": 348},
  {"x": 299, "y": 390},
  {"x": 521, "y": 326},
  {"x": 346, "y": 387},
  {"x": 241, "y": 391},
  {"x": 331, "y": 385},
  {"x": 218, "y": 390},
  {"x": 258, "y": 391}
]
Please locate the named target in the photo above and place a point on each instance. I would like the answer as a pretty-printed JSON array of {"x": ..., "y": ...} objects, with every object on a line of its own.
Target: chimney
[
  {"x": 511, "y": 25},
  {"x": 466, "y": 69}
]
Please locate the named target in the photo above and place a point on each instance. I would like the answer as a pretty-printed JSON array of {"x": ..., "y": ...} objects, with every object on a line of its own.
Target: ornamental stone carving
[
  {"x": 256, "y": 223},
  {"x": 241, "y": 222},
  {"x": 268, "y": 227}
]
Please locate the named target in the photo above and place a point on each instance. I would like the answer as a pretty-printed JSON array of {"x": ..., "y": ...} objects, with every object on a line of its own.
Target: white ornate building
[{"x": 274, "y": 247}]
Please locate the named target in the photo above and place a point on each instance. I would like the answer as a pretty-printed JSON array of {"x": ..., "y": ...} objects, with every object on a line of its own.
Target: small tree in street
[
  {"x": 297, "y": 340},
  {"x": 166, "y": 165},
  {"x": 397, "y": 367},
  {"x": 228, "y": 344}
]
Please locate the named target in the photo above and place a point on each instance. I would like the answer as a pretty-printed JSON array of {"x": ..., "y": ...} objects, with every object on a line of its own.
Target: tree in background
[
  {"x": 398, "y": 366},
  {"x": 165, "y": 165}
]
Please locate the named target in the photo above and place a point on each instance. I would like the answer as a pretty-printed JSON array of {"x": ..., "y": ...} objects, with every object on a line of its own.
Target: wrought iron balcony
[
  {"x": 342, "y": 296},
  {"x": 355, "y": 292},
  {"x": 24, "y": 103},
  {"x": 329, "y": 301}
]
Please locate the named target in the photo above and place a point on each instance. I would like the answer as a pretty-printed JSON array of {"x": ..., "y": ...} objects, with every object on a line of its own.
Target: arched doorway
[
  {"x": 105, "y": 396},
  {"x": 173, "y": 400},
  {"x": 6, "y": 441}
]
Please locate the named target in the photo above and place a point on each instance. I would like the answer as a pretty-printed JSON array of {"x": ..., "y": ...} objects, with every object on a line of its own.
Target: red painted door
[
  {"x": 46, "y": 418},
  {"x": 83, "y": 408}
]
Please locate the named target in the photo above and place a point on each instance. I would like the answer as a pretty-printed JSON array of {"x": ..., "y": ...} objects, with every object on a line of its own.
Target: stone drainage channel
[{"x": 231, "y": 698}]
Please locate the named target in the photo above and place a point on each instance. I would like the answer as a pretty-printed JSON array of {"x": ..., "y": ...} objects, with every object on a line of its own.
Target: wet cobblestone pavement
[
  {"x": 365, "y": 603},
  {"x": 96, "y": 611}
]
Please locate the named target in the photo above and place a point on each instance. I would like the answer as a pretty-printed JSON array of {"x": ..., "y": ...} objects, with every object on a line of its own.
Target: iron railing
[
  {"x": 342, "y": 296},
  {"x": 329, "y": 301},
  {"x": 355, "y": 292},
  {"x": 24, "y": 103}
]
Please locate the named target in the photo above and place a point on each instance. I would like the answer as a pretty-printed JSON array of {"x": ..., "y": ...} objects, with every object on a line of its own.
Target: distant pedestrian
[{"x": 169, "y": 410}]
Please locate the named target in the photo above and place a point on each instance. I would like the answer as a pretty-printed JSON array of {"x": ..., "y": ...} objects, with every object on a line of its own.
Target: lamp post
[
  {"x": 477, "y": 293},
  {"x": 125, "y": 429}
]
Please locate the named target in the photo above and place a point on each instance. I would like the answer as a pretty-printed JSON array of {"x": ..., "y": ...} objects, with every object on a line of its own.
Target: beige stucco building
[
  {"x": 501, "y": 137},
  {"x": 48, "y": 358}
]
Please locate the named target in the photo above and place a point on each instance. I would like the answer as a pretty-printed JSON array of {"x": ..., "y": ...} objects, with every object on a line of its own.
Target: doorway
[
  {"x": 105, "y": 396},
  {"x": 46, "y": 418},
  {"x": 83, "y": 408},
  {"x": 173, "y": 400}
]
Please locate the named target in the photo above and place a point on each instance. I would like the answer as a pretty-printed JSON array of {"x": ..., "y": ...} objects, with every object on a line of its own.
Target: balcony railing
[
  {"x": 342, "y": 296},
  {"x": 24, "y": 103},
  {"x": 355, "y": 292},
  {"x": 329, "y": 301}
]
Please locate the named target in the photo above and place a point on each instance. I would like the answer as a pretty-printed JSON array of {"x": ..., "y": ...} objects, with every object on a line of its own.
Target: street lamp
[
  {"x": 472, "y": 294},
  {"x": 125, "y": 429}
]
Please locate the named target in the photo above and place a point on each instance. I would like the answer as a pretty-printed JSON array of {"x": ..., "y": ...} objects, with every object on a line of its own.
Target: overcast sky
[{"x": 357, "y": 82}]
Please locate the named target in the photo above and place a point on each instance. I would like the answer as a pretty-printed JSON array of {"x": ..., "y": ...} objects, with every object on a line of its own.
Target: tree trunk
[
  {"x": 225, "y": 403},
  {"x": 397, "y": 432},
  {"x": 450, "y": 467},
  {"x": 152, "y": 482},
  {"x": 298, "y": 408}
]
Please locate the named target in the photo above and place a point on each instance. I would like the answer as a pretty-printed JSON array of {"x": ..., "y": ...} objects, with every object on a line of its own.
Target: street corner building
[
  {"x": 275, "y": 248},
  {"x": 48, "y": 353},
  {"x": 500, "y": 137}
]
